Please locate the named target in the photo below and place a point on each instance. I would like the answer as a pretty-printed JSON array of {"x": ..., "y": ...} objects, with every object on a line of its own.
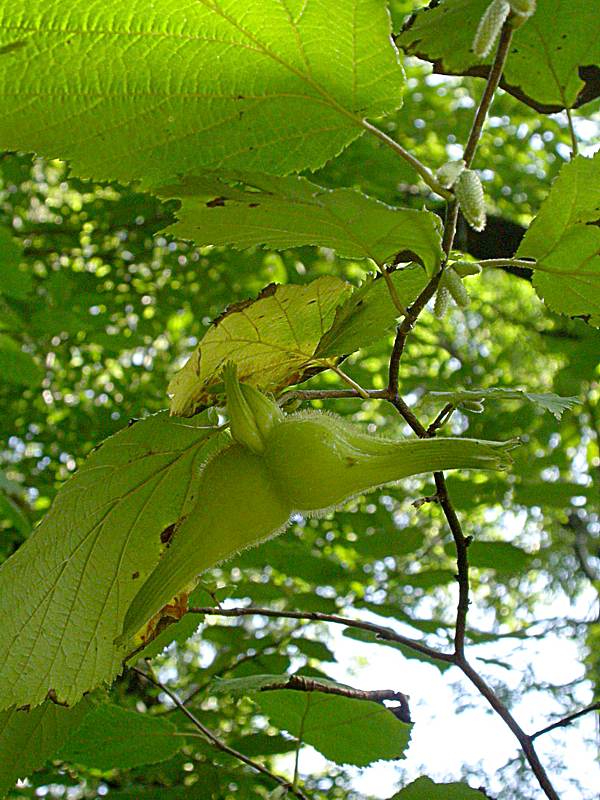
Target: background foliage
[{"x": 99, "y": 308}]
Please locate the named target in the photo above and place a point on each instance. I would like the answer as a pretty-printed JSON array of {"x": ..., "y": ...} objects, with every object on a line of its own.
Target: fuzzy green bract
[
  {"x": 170, "y": 86},
  {"x": 308, "y": 462}
]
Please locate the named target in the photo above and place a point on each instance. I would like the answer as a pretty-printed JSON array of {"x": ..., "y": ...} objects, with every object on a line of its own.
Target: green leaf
[
  {"x": 83, "y": 565},
  {"x": 111, "y": 737},
  {"x": 262, "y": 744},
  {"x": 245, "y": 209},
  {"x": 29, "y": 738},
  {"x": 546, "y": 55},
  {"x": 257, "y": 85},
  {"x": 16, "y": 366},
  {"x": 548, "y": 401},
  {"x": 344, "y": 729},
  {"x": 369, "y": 313},
  {"x": 548, "y": 494},
  {"x": 381, "y": 544},
  {"x": 564, "y": 238},
  {"x": 272, "y": 340},
  {"x": 14, "y": 283},
  {"x": 425, "y": 789}
]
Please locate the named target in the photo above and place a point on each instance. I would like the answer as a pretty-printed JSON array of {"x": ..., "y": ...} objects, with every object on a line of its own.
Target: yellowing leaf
[{"x": 272, "y": 340}]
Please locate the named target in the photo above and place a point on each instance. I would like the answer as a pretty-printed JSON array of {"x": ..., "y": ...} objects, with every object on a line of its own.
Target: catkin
[
  {"x": 490, "y": 26},
  {"x": 442, "y": 301},
  {"x": 469, "y": 193},
  {"x": 456, "y": 288}
]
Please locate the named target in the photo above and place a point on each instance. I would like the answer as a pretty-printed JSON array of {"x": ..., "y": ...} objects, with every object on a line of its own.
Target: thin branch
[
  {"x": 461, "y": 543},
  {"x": 460, "y": 540},
  {"x": 324, "y": 394},
  {"x": 503, "y": 712},
  {"x": 386, "y": 634},
  {"x": 574, "y": 142},
  {"x": 218, "y": 743},
  {"x": 441, "y": 419},
  {"x": 404, "y": 330},
  {"x": 562, "y": 723},
  {"x": 500, "y": 263},
  {"x": 427, "y": 176},
  {"x": 408, "y": 415},
  {"x": 400, "y": 307},
  {"x": 493, "y": 81},
  {"x": 347, "y": 379}
]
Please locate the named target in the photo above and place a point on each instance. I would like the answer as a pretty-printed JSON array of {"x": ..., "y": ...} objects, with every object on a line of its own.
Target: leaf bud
[
  {"x": 524, "y": 8},
  {"x": 490, "y": 26},
  {"x": 465, "y": 268},
  {"x": 252, "y": 414},
  {"x": 448, "y": 173},
  {"x": 469, "y": 193},
  {"x": 474, "y": 406}
]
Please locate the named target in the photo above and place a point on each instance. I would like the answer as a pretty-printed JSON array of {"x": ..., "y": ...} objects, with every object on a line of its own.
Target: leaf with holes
[
  {"x": 83, "y": 565},
  {"x": 245, "y": 209},
  {"x": 171, "y": 86}
]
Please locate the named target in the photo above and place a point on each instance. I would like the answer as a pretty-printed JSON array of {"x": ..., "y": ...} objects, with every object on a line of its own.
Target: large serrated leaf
[
  {"x": 65, "y": 592},
  {"x": 553, "y": 59},
  {"x": 170, "y": 86},
  {"x": 111, "y": 737},
  {"x": 343, "y": 729},
  {"x": 564, "y": 238},
  {"x": 281, "y": 337},
  {"x": 29, "y": 738},
  {"x": 245, "y": 209},
  {"x": 272, "y": 340}
]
